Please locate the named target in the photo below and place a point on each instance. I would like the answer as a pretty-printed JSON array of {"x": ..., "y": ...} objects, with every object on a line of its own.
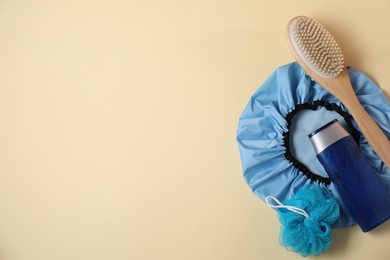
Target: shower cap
[{"x": 277, "y": 156}]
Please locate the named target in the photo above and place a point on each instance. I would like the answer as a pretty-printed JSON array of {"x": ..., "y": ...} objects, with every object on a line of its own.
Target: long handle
[
  {"x": 371, "y": 131},
  {"x": 341, "y": 88}
]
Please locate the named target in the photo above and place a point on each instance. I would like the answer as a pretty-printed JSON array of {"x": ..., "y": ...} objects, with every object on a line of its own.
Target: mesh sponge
[{"x": 310, "y": 235}]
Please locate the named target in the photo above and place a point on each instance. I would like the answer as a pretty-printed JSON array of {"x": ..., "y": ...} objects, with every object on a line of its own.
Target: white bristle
[{"x": 317, "y": 47}]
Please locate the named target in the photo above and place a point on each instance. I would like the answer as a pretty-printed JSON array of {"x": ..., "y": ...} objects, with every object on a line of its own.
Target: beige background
[{"x": 118, "y": 121}]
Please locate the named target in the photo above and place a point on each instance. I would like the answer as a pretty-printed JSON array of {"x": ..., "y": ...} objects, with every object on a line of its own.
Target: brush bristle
[{"x": 318, "y": 47}]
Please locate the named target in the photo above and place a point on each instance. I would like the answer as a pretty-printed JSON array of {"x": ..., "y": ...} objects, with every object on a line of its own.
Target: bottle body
[{"x": 360, "y": 188}]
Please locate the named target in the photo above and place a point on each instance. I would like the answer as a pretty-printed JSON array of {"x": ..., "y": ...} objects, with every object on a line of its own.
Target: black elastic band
[{"x": 314, "y": 106}]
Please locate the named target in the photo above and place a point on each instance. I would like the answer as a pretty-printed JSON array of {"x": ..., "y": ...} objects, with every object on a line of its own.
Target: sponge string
[{"x": 281, "y": 205}]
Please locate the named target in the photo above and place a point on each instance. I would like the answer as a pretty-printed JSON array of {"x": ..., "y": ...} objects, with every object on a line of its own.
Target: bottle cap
[{"x": 326, "y": 135}]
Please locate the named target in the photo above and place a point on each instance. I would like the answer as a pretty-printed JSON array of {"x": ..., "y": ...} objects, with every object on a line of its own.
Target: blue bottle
[{"x": 360, "y": 188}]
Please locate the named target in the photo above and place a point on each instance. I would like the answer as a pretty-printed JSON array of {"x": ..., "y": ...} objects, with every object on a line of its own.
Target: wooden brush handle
[
  {"x": 371, "y": 131},
  {"x": 341, "y": 88}
]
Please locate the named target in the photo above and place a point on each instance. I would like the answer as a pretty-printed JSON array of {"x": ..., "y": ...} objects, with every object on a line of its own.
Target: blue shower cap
[{"x": 277, "y": 156}]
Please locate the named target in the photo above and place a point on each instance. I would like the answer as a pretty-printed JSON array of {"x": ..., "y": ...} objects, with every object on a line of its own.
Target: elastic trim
[{"x": 314, "y": 106}]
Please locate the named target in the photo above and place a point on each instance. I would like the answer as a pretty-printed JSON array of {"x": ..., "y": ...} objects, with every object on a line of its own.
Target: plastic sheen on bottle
[{"x": 360, "y": 188}]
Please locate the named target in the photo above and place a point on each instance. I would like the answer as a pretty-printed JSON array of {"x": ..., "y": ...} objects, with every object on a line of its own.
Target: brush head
[{"x": 316, "y": 47}]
